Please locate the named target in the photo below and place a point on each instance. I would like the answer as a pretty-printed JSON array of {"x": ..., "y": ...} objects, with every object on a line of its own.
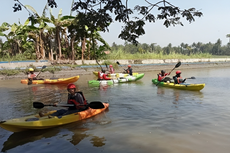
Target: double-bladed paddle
[
  {"x": 191, "y": 78},
  {"x": 176, "y": 66},
  {"x": 120, "y": 65},
  {"x": 93, "y": 105}
]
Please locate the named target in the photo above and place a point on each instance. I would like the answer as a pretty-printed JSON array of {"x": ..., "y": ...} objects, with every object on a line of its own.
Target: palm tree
[
  {"x": 59, "y": 23},
  {"x": 228, "y": 36}
]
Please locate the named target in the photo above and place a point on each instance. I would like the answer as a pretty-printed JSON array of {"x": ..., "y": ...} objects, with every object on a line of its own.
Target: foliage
[
  {"x": 99, "y": 14},
  {"x": 153, "y": 51},
  {"x": 52, "y": 69},
  {"x": 8, "y": 72}
]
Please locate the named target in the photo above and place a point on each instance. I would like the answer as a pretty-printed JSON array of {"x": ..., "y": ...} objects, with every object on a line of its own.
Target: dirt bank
[{"x": 136, "y": 68}]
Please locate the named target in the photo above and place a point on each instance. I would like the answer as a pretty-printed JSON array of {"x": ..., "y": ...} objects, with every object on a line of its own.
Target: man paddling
[
  {"x": 76, "y": 98},
  {"x": 162, "y": 76},
  {"x": 32, "y": 75},
  {"x": 177, "y": 78}
]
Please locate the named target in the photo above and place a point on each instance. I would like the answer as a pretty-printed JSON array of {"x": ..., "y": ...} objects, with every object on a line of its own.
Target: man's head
[
  {"x": 178, "y": 73},
  {"x": 162, "y": 72},
  {"x": 31, "y": 70},
  {"x": 71, "y": 88}
]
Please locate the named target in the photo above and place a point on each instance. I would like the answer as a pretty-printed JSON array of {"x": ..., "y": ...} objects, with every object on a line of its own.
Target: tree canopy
[{"x": 99, "y": 14}]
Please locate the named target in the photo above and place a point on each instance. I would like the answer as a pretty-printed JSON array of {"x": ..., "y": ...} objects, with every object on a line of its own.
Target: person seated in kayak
[
  {"x": 103, "y": 76},
  {"x": 162, "y": 76},
  {"x": 32, "y": 75},
  {"x": 75, "y": 98},
  {"x": 129, "y": 70},
  {"x": 178, "y": 79},
  {"x": 111, "y": 70}
]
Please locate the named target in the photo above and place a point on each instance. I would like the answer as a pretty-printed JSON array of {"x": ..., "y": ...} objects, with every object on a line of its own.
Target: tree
[
  {"x": 101, "y": 13},
  {"x": 228, "y": 36}
]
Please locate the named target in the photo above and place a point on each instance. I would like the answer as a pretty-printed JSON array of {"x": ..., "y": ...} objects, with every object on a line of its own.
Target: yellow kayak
[
  {"x": 194, "y": 87},
  {"x": 53, "y": 81},
  {"x": 117, "y": 75},
  {"x": 37, "y": 122}
]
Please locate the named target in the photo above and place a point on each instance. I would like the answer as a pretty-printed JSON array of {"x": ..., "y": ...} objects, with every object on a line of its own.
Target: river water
[{"x": 141, "y": 117}]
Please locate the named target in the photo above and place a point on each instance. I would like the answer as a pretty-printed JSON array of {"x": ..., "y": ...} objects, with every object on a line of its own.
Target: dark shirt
[
  {"x": 130, "y": 71},
  {"x": 78, "y": 97}
]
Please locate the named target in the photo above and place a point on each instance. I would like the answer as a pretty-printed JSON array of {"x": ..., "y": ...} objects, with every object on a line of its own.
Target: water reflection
[
  {"x": 178, "y": 94},
  {"x": 73, "y": 133}
]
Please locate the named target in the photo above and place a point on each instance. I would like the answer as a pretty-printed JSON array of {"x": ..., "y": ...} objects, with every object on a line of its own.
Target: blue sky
[{"x": 213, "y": 25}]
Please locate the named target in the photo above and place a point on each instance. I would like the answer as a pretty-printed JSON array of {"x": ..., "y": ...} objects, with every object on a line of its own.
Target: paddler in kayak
[
  {"x": 103, "y": 76},
  {"x": 129, "y": 70},
  {"x": 177, "y": 78},
  {"x": 111, "y": 70},
  {"x": 32, "y": 75},
  {"x": 162, "y": 76},
  {"x": 76, "y": 98}
]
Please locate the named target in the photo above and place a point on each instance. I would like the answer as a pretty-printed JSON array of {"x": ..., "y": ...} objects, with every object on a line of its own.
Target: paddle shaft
[
  {"x": 120, "y": 65},
  {"x": 40, "y": 71},
  {"x": 93, "y": 105}
]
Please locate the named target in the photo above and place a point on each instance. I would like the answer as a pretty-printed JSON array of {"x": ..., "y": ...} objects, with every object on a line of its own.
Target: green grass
[{"x": 119, "y": 54}]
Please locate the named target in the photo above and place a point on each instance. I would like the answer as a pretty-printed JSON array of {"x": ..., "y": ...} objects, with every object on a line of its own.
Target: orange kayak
[
  {"x": 53, "y": 81},
  {"x": 45, "y": 122}
]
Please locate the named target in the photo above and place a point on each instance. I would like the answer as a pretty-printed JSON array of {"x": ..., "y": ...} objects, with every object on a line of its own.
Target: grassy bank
[{"x": 119, "y": 54}]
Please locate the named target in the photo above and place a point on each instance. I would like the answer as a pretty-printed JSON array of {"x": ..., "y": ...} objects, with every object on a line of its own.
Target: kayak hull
[
  {"x": 117, "y": 80},
  {"x": 117, "y": 75},
  {"x": 55, "y": 81},
  {"x": 45, "y": 122},
  {"x": 193, "y": 87}
]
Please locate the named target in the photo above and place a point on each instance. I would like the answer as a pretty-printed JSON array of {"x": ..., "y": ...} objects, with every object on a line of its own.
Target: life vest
[
  {"x": 32, "y": 76},
  {"x": 111, "y": 70},
  {"x": 100, "y": 75},
  {"x": 177, "y": 80},
  {"x": 160, "y": 77},
  {"x": 77, "y": 105}
]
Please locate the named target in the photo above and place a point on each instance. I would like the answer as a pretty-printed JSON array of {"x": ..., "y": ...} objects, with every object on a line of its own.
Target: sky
[{"x": 213, "y": 25}]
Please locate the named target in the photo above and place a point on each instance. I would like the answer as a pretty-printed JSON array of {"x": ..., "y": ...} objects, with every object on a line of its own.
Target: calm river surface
[{"x": 142, "y": 118}]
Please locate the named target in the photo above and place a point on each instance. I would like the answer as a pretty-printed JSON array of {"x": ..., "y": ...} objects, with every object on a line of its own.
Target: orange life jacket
[
  {"x": 32, "y": 76},
  {"x": 77, "y": 105},
  {"x": 178, "y": 80}
]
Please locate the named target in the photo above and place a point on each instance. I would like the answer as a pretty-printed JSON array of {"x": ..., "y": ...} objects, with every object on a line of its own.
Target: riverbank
[{"x": 88, "y": 69}]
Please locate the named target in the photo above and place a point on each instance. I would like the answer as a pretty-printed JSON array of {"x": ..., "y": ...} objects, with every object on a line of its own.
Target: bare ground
[{"x": 140, "y": 68}]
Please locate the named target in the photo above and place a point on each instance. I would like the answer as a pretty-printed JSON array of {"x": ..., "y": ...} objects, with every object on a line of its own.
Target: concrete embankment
[{"x": 88, "y": 66}]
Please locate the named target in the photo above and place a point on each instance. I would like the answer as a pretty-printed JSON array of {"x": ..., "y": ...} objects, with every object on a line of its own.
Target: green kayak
[{"x": 117, "y": 80}]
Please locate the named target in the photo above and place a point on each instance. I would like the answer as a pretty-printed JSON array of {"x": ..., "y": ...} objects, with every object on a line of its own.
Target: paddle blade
[
  {"x": 38, "y": 105},
  {"x": 43, "y": 67},
  {"x": 178, "y": 64},
  {"x": 118, "y": 63},
  {"x": 96, "y": 105},
  {"x": 191, "y": 78}
]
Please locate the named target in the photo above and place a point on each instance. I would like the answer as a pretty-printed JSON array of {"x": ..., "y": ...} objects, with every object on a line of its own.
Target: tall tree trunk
[
  {"x": 72, "y": 48},
  {"x": 18, "y": 47},
  {"x": 51, "y": 57},
  {"x": 41, "y": 45},
  {"x": 89, "y": 54},
  {"x": 37, "y": 50},
  {"x": 58, "y": 41},
  {"x": 66, "y": 39},
  {"x": 82, "y": 48}
]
